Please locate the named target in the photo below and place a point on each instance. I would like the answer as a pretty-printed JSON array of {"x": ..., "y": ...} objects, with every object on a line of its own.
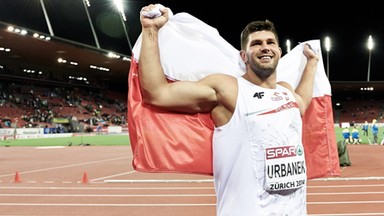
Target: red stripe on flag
[
  {"x": 319, "y": 139},
  {"x": 164, "y": 141}
]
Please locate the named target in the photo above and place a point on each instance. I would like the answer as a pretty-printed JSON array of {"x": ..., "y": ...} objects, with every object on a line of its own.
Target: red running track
[{"x": 94, "y": 180}]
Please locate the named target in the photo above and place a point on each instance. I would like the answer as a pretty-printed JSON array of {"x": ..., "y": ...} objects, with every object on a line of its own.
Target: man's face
[{"x": 263, "y": 53}]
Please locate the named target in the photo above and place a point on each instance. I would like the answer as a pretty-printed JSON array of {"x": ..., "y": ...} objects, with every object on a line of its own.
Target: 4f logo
[{"x": 259, "y": 95}]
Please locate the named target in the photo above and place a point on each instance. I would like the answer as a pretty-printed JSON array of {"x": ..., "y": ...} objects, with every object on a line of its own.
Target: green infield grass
[
  {"x": 111, "y": 140},
  {"x": 100, "y": 140}
]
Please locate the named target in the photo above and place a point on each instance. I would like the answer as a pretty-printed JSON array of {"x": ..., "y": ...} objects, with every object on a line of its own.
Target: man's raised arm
[{"x": 151, "y": 73}]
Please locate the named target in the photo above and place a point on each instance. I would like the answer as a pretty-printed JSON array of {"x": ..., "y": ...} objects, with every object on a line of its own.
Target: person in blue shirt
[
  {"x": 346, "y": 135},
  {"x": 375, "y": 131},
  {"x": 365, "y": 128},
  {"x": 46, "y": 129},
  {"x": 355, "y": 136}
]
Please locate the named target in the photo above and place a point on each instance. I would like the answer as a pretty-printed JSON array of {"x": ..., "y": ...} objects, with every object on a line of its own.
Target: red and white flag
[
  {"x": 319, "y": 137},
  {"x": 163, "y": 141}
]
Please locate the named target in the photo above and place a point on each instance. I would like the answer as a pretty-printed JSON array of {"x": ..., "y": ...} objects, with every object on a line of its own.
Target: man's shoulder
[{"x": 221, "y": 80}]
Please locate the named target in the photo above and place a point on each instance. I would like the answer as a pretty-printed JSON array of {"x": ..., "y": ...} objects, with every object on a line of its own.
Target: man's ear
[{"x": 243, "y": 56}]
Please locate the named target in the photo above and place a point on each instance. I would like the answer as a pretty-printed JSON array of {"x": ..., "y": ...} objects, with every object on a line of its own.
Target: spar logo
[{"x": 284, "y": 152}]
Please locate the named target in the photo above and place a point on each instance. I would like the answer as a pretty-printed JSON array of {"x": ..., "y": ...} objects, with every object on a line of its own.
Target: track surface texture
[{"x": 98, "y": 180}]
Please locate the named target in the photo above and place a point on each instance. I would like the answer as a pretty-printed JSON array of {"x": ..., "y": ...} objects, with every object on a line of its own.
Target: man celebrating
[{"x": 258, "y": 158}]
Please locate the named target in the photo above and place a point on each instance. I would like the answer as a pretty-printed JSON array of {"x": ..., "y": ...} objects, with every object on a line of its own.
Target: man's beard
[{"x": 262, "y": 73}]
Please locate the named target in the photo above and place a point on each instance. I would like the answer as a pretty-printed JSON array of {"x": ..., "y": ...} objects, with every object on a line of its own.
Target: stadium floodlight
[
  {"x": 120, "y": 7},
  {"x": 288, "y": 43},
  {"x": 87, "y": 4},
  {"x": 370, "y": 47},
  {"x": 327, "y": 48},
  {"x": 47, "y": 18}
]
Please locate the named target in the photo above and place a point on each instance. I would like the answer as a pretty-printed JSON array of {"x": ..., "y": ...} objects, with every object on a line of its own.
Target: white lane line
[
  {"x": 116, "y": 175},
  {"x": 347, "y": 186},
  {"x": 107, "y": 195},
  {"x": 20, "y": 187},
  {"x": 49, "y": 147},
  {"x": 110, "y": 205},
  {"x": 350, "y": 214},
  {"x": 67, "y": 166},
  {"x": 105, "y": 188},
  {"x": 163, "y": 195},
  {"x": 347, "y": 202},
  {"x": 345, "y": 193},
  {"x": 349, "y": 179},
  {"x": 144, "y": 204},
  {"x": 160, "y": 181}
]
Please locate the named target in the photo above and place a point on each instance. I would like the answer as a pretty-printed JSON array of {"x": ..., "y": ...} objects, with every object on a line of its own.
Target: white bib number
[{"x": 285, "y": 168}]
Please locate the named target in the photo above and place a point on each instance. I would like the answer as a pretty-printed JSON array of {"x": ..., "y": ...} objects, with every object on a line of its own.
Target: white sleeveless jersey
[{"x": 258, "y": 158}]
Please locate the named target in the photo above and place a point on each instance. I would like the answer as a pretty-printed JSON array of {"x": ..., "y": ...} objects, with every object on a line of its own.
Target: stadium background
[
  {"x": 40, "y": 58},
  {"x": 45, "y": 181}
]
